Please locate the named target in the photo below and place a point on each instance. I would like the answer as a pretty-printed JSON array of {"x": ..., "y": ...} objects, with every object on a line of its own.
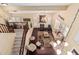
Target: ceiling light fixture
[
  {"x": 4, "y": 4},
  {"x": 69, "y": 53},
  {"x": 58, "y": 42},
  {"x": 54, "y": 44},
  {"x": 58, "y": 51},
  {"x": 65, "y": 44}
]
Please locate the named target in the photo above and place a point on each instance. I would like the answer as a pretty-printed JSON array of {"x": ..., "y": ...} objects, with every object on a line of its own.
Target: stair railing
[{"x": 23, "y": 40}]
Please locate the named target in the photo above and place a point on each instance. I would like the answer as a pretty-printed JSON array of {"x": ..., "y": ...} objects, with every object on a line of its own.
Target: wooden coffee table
[{"x": 46, "y": 39}]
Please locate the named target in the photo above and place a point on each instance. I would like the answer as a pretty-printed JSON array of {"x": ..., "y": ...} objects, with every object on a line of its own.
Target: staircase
[{"x": 17, "y": 41}]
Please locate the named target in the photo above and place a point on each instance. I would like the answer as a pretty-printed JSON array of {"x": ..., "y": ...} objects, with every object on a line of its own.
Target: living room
[{"x": 44, "y": 26}]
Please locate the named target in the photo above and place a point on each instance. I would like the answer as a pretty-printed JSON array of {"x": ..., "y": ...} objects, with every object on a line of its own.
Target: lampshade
[
  {"x": 65, "y": 44},
  {"x": 69, "y": 53},
  {"x": 58, "y": 51},
  {"x": 42, "y": 48},
  {"x": 58, "y": 42},
  {"x": 32, "y": 38},
  {"x": 54, "y": 44}
]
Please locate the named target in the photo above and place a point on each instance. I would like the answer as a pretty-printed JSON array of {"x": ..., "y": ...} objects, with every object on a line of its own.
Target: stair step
[
  {"x": 16, "y": 50},
  {"x": 19, "y": 35},
  {"x": 17, "y": 42},
  {"x": 17, "y": 45},
  {"x": 15, "y": 53},
  {"x": 18, "y": 38}
]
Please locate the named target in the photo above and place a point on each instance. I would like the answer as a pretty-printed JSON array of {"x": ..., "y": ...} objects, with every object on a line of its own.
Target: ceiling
[
  {"x": 38, "y": 4},
  {"x": 23, "y": 7}
]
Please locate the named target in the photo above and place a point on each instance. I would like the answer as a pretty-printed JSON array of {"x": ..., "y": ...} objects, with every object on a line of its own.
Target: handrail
[
  {"x": 72, "y": 22},
  {"x": 23, "y": 41}
]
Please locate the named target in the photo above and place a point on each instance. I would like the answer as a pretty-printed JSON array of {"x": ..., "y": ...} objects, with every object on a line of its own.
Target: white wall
[
  {"x": 35, "y": 18},
  {"x": 3, "y": 15},
  {"x": 6, "y": 43},
  {"x": 2, "y": 21},
  {"x": 71, "y": 37}
]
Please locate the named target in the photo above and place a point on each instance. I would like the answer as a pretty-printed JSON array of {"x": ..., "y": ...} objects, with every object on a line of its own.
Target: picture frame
[{"x": 42, "y": 18}]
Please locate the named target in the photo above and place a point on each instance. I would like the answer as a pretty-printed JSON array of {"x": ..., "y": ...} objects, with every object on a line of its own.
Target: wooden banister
[{"x": 23, "y": 40}]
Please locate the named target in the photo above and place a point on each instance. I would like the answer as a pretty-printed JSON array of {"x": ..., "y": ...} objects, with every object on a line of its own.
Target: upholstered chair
[
  {"x": 31, "y": 47},
  {"x": 32, "y": 38}
]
